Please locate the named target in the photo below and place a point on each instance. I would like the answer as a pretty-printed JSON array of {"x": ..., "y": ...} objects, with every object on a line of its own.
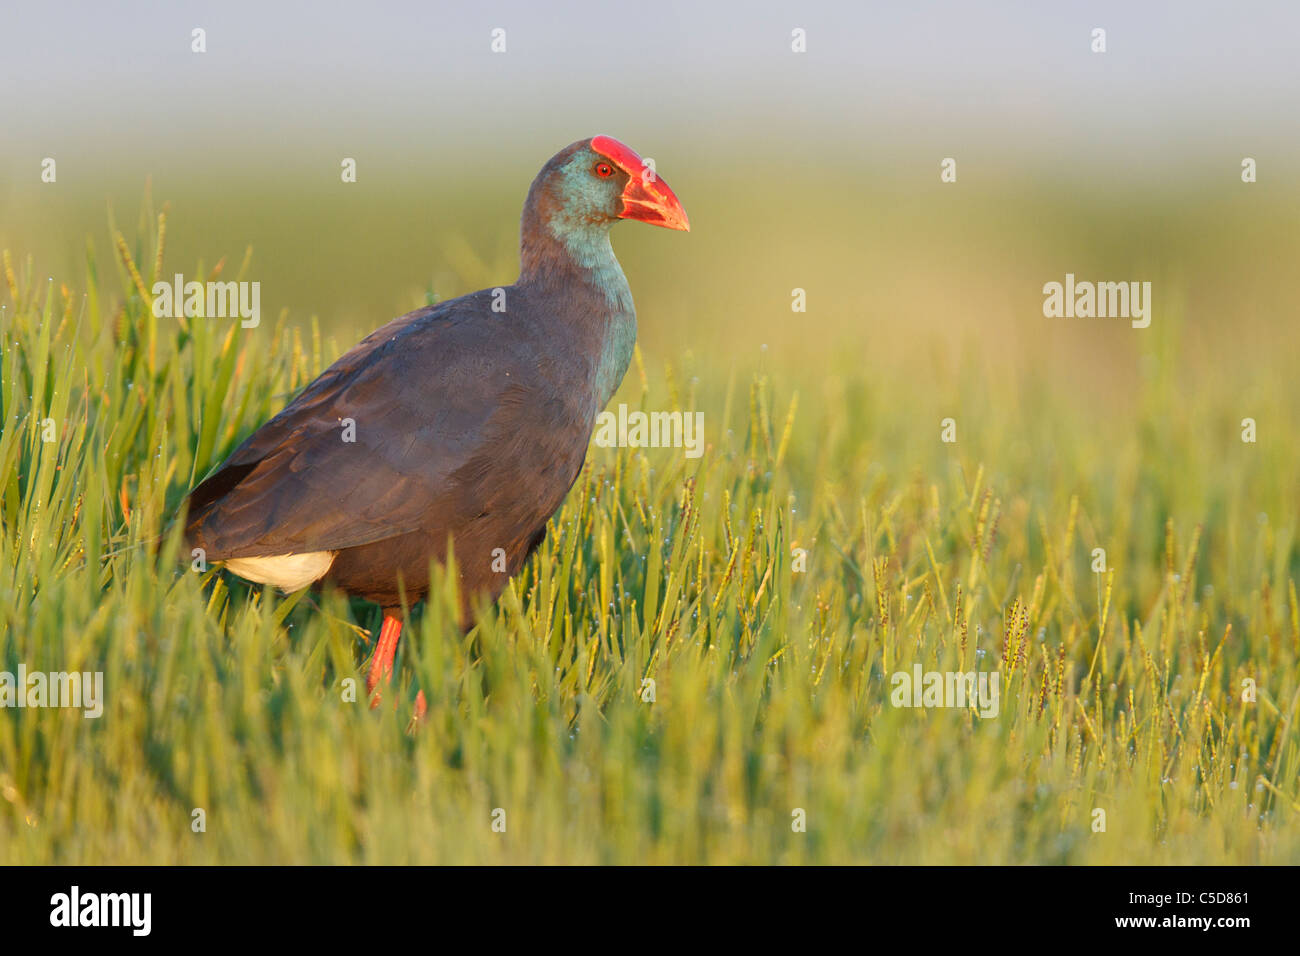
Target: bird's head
[{"x": 595, "y": 182}]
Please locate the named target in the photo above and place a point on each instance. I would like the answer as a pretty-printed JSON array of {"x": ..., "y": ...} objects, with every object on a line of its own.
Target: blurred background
[{"x": 817, "y": 170}]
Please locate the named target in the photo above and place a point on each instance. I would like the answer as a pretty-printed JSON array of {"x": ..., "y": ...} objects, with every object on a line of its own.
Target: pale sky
[{"x": 1021, "y": 75}]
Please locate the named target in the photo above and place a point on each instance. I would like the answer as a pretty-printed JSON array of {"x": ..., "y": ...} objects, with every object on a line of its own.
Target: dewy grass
[{"x": 697, "y": 665}]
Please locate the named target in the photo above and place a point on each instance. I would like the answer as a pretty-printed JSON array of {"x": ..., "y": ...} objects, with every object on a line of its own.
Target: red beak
[
  {"x": 646, "y": 197},
  {"x": 653, "y": 202}
]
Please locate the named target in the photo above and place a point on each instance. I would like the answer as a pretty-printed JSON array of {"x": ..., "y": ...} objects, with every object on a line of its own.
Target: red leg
[{"x": 382, "y": 665}]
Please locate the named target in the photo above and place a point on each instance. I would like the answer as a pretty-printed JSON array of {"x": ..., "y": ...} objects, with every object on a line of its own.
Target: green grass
[{"x": 1120, "y": 691}]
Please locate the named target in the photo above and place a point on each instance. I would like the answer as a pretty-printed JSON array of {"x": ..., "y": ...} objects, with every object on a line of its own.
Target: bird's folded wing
[{"x": 364, "y": 454}]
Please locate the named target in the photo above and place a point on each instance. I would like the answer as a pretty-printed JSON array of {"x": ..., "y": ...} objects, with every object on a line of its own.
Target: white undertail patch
[{"x": 288, "y": 572}]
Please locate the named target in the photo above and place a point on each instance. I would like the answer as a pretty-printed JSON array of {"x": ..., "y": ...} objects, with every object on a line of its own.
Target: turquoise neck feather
[{"x": 590, "y": 249}]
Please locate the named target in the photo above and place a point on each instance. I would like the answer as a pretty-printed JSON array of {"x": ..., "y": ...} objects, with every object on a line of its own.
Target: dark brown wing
[{"x": 418, "y": 394}]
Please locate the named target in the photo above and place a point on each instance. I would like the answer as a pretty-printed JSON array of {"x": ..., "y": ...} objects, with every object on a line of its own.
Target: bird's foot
[{"x": 417, "y": 718}]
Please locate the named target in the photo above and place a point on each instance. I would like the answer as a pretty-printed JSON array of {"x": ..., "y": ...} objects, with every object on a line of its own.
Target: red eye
[{"x": 604, "y": 170}]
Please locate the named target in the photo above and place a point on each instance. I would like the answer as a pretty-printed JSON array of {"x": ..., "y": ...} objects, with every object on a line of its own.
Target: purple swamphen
[{"x": 465, "y": 422}]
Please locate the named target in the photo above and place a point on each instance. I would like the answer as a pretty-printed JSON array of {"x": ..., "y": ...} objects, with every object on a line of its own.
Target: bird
[{"x": 460, "y": 425}]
